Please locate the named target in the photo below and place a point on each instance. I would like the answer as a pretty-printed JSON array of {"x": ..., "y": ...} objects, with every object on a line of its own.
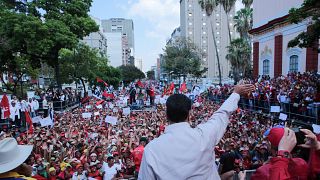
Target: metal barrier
[{"x": 308, "y": 116}]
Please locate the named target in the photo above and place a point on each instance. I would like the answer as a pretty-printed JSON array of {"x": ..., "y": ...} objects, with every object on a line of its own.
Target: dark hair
[
  {"x": 109, "y": 158},
  {"x": 178, "y": 107}
]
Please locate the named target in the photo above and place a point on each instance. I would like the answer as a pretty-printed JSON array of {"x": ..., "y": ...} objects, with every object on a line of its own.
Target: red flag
[
  {"x": 29, "y": 121},
  {"x": 5, "y": 106},
  {"x": 140, "y": 84},
  {"x": 183, "y": 87},
  {"x": 99, "y": 102},
  {"x": 171, "y": 88},
  {"x": 99, "y": 80},
  {"x": 108, "y": 95}
]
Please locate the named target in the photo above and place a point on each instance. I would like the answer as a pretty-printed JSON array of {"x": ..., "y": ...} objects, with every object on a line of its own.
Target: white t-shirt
[{"x": 110, "y": 172}]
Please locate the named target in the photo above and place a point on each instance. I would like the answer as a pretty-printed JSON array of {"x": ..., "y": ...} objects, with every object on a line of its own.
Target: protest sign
[
  {"x": 126, "y": 111},
  {"x": 283, "y": 117},
  {"x": 86, "y": 115},
  {"x": 275, "y": 109},
  {"x": 112, "y": 120},
  {"x": 46, "y": 122}
]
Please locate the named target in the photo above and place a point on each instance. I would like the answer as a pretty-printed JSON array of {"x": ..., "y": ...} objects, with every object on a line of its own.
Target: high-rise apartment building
[
  {"x": 126, "y": 28},
  {"x": 196, "y": 26},
  {"x": 97, "y": 39}
]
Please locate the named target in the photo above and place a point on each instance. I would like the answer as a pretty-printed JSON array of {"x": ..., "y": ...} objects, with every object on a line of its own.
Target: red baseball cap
[{"x": 275, "y": 136}]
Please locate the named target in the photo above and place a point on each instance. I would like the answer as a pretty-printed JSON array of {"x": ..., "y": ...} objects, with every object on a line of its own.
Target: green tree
[
  {"x": 239, "y": 53},
  {"x": 150, "y": 75},
  {"x": 243, "y": 22},
  {"x": 130, "y": 73},
  {"x": 182, "y": 58},
  {"x": 78, "y": 65},
  {"x": 227, "y": 6},
  {"x": 247, "y": 3},
  {"x": 310, "y": 38},
  {"x": 209, "y": 6},
  {"x": 41, "y": 28}
]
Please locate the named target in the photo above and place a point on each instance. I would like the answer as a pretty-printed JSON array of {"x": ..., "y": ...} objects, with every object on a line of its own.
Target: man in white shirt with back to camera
[{"x": 183, "y": 152}]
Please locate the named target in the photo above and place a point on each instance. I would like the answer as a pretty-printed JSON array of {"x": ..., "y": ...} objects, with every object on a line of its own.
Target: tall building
[
  {"x": 271, "y": 33},
  {"x": 126, "y": 28},
  {"x": 175, "y": 35},
  {"x": 114, "y": 49},
  {"x": 97, "y": 40},
  {"x": 196, "y": 26}
]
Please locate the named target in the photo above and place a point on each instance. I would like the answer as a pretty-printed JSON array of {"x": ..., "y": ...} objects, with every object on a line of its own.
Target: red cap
[{"x": 275, "y": 136}]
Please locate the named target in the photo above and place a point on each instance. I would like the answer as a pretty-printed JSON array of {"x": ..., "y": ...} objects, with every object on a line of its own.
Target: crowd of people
[
  {"x": 78, "y": 147},
  {"x": 297, "y": 94}
]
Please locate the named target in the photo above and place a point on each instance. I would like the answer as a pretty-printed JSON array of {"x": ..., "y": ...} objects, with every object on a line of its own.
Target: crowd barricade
[{"x": 308, "y": 115}]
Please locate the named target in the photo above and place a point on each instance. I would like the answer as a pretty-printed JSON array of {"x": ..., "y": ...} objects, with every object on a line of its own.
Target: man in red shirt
[
  {"x": 282, "y": 166},
  {"x": 137, "y": 154}
]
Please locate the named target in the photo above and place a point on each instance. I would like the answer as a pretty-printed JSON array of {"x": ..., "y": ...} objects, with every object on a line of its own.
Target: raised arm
[{"x": 218, "y": 122}]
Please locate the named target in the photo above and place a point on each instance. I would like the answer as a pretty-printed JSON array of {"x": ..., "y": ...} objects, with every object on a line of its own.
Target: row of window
[{"x": 293, "y": 65}]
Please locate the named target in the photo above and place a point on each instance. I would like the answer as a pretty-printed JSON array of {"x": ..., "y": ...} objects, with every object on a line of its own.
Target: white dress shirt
[{"x": 183, "y": 152}]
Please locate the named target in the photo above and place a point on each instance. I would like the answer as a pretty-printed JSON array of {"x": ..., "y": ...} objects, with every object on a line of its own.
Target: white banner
[
  {"x": 126, "y": 111},
  {"x": 112, "y": 120},
  {"x": 283, "y": 117},
  {"x": 46, "y": 122},
  {"x": 86, "y": 115},
  {"x": 36, "y": 119},
  {"x": 275, "y": 109}
]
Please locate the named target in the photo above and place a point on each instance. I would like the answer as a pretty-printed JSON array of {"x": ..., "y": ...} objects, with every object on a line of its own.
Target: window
[
  {"x": 190, "y": 23},
  {"x": 293, "y": 65},
  {"x": 204, "y": 50},
  {"x": 204, "y": 59},
  {"x": 218, "y": 41},
  {"x": 204, "y": 23},
  {"x": 203, "y": 14},
  {"x": 204, "y": 41},
  {"x": 217, "y": 15},
  {"x": 218, "y": 24},
  {"x": 266, "y": 67},
  {"x": 218, "y": 32},
  {"x": 204, "y": 32},
  {"x": 190, "y": 14},
  {"x": 190, "y": 32},
  {"x": 190, "y": 5}
]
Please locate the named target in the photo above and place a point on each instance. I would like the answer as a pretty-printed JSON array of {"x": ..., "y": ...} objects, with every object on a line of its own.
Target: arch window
[{"x": 266, "y": 66}]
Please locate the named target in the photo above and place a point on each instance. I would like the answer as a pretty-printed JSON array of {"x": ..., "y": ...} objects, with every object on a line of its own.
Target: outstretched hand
[{"x": 244, "y": 90}]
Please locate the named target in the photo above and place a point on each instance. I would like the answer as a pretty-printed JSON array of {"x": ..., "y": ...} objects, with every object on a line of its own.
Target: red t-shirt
[{"x": 137, "y": 156}]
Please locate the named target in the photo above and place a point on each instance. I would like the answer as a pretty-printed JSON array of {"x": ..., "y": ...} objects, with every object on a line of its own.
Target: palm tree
[
  {"x": 209, "y": 6},
  {"x": 239, "y": 53},
  {"x": 227, "y": 6},
  {"x": 247, "y": 3},
  {"x": 243, "y": 22}
]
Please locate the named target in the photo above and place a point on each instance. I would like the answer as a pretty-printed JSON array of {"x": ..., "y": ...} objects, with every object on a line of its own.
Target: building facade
[
  {"x": 175, "y": 35},
  {"x": 114, "y": 49},
  {"x": 97, "y": 40},
  {"x": 271, "y": 34},
  {"x": 196, "y": 26},
  {"x": 126, "y": 28}
]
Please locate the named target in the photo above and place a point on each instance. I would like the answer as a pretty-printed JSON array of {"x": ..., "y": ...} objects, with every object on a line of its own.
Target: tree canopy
[
  {"x": 130, "y": 73},
  {"x": 85, "y": 64},
  {"x": 182, "y": 58},
  {"x": 39, "y": 29},
  {"x": 310, "y": 38}
]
